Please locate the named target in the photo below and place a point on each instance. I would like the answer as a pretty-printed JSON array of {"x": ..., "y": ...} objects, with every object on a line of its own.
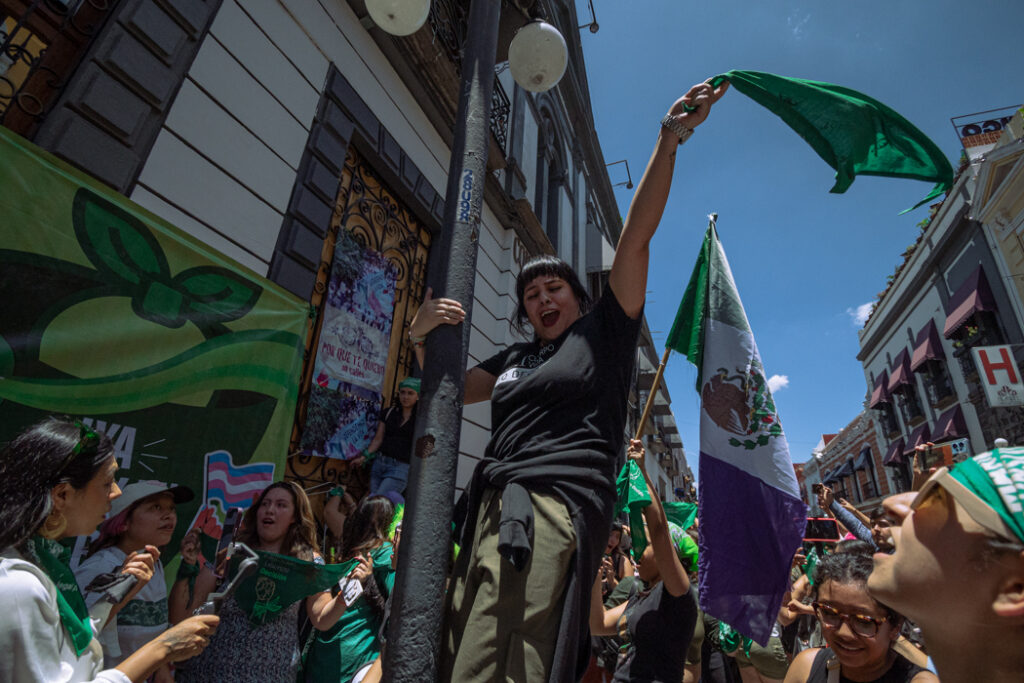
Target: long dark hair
[
  {"x": 547, "y": 265},
  {"x": 366, "y": 529},
  {"x": 300, "y": 539},
  {"x": 34, "y": 462}
]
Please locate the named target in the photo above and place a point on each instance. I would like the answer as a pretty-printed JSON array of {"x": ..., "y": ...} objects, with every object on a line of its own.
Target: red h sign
[{"x": 1000, "y": 376}]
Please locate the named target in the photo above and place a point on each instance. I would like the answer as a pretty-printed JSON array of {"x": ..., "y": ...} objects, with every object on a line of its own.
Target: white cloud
[
  {"x": 859, "y": 315},
  {"x": 776, "y": 382}
]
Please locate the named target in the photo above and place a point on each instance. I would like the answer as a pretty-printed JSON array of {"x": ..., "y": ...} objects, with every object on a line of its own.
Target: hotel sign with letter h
[{"x": 999, "y": 374}]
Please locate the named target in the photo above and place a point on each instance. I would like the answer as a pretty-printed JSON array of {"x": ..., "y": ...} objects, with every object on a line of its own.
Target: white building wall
[{"x": 224, "y": 164}]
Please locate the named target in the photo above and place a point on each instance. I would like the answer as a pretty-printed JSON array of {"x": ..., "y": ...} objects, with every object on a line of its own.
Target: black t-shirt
[
  {"x": 558, "y": 419},
  {"x": 901, "y": 671},
  {"x": 660, "y": 625},
  {"x": 397, "y": 441},
  {"x": 566, "y": 399}
]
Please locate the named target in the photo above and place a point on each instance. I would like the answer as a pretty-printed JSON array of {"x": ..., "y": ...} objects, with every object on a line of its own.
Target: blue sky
[{"x": 803, "y": 259}]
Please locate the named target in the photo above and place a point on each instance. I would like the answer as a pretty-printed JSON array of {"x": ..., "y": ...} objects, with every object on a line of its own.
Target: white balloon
[
  {"x": 398, "y": 17},
  {"x": 537, "y": 56}
]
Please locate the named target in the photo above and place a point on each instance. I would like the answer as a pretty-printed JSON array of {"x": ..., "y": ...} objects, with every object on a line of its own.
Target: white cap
[{"x": 136, "y": 491}]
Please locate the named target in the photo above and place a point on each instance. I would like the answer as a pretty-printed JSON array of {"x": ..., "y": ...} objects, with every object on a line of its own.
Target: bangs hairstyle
[
  {"x": 848, "y": 569},
  {"x": 546, "y": 265},
  {"x": 300, "y": 539},
  {"x": 33, "y": 463}
]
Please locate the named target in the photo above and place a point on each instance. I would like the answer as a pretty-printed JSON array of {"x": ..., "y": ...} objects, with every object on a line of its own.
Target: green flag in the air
[
  {"x": 632, "y": 498},
  {"x": 854, "y": 134},
  {"x": 680, "y": 513},
  {"x": 281, "y": 581}
]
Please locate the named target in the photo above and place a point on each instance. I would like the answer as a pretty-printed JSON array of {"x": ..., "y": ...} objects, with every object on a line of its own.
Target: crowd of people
[{"x": 543, "y": 585}]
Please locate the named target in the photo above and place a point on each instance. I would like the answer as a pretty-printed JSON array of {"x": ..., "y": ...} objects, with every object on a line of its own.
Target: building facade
[
  {"x": 950, "y": 294},
  {"x": 266, "y": 129}
]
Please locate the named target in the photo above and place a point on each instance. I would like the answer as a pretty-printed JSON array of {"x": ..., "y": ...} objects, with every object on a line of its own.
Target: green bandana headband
[
  {"x": 686, "y": 547},
  {"x": 410, "y": 383},
  {"x": 52, "y": 558},
  {"x": 997, "y": 479}
]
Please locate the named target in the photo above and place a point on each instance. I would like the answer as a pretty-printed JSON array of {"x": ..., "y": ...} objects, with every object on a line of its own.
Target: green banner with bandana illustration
[{"x": 113, "y": 316}]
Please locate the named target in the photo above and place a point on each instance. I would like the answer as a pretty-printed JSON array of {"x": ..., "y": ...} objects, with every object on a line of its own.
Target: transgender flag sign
[
  {"x": 233, "y": 486},
  {"x": 751, "y": 515}
]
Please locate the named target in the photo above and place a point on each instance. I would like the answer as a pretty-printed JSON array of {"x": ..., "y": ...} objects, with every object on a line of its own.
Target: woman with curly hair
[
  {"x": 279, "y": 521},
  {"x": 342, "y": 650}
]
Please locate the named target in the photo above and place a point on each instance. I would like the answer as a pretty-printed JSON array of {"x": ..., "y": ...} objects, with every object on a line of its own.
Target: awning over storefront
[
  {"x": 950, "y": 425},
  {"x": 829, "y": 477},
  {"x": 919, "y": 436},
  {"x": 880, "y": 394},
  {"x": 894, "y": 456},
  {"x": 900, "y": 371},
  {"x": 928, "y": 346},
  {"x": 973, "y": 295},
  {"x": 863, "y": 461},
  {"x": 845, "y": 471}
]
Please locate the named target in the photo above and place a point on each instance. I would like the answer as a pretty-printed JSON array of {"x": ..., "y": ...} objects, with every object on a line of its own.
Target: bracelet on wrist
[{"x": 678, "y": 129}]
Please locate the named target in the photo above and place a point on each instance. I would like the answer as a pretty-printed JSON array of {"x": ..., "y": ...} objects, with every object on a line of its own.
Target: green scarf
[
  {"x": 632, "y": 498},
  {"x": 997, "y": 478},
  {"x": 281, "y": 581},
  {"x": 811, "y": 564},
  {"x": 53, "y": 559},
  {"x": 854, "y": 134}
]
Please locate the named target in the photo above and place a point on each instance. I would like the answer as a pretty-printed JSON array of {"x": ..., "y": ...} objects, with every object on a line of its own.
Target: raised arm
[
  {"x": 628, "y": 278},
  {"x": 669, "y": 567}
]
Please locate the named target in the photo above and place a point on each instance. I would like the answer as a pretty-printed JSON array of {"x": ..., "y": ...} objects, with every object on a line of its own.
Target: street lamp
[
  {"x": 414, "y": 630},
  {"x": 537, "y": 56},
  {"x": 399, "y": 17}
]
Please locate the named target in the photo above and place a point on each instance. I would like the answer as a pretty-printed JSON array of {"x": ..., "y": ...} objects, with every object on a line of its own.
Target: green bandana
[
  {"x": 811, "y": 564},
  {"x": 281, "y": 581},
  {"x": 411, "y": 383},
  {"x": 686, "y": 547},
  {"x": 53, "y": 558},
  {"x": 997, "y": 479},
  {"x": 632, "y": 498},
  {"x": 854, "y": 133}
]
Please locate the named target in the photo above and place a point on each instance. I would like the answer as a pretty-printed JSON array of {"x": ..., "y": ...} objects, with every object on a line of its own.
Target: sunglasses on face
[{"x": 860, "y": 624}]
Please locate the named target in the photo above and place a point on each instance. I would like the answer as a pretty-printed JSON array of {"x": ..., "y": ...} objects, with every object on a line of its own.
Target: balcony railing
[
  {"x": 448, "y": 22},
  {"x": 41, "y": 42}
]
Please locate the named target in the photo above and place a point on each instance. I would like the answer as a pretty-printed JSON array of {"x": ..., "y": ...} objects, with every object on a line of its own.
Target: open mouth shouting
[{"x": 549, "y": 318}]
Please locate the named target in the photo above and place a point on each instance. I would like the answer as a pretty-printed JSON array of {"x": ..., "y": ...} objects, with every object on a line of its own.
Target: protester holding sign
[
  {"x": 143, "y": 515},
  {"x": 558, "y": 405},
  {"x": 258, "y": 639},
  {"x": 57, "y": 481}
]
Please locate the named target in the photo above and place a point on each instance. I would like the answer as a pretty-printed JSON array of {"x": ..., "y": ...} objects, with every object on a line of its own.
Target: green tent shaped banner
[{"x": 113, "y": 316}]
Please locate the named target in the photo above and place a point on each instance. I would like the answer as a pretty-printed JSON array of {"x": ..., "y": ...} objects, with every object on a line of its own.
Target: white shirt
[
  {"x": 140, "y": 621},
  {"x": 34, "y": 645}
]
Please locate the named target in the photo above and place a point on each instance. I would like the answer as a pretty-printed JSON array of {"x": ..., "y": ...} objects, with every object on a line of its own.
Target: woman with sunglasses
[
  {"x": 57, "y": 481},
  {"x": 859, "y": 631}
]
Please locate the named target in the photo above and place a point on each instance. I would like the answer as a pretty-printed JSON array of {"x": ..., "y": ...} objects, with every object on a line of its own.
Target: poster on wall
[
  {"x": 112, "y": 316},
  {"x": 352, "y": 355}
]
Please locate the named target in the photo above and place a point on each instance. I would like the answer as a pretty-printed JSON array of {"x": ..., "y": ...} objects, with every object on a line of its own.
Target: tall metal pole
[{"x": 414, "y": 632}]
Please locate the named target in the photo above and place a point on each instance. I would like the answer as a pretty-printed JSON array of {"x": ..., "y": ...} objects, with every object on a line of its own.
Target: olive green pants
[{"x": 502, "y": 624}]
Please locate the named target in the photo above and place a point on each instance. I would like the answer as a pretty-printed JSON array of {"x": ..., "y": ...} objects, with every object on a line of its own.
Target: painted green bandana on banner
[
  {"x": 855, "y": 134},
  {"x": 52, "y": 558},
  {"x": 186, "y": 360},
  {"x": 997, "y": 478},
  {"x": 282, "y": 581}
]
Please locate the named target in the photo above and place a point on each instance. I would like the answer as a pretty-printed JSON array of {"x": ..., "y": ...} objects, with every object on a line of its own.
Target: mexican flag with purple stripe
[{"x": 751, "y": 515}]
